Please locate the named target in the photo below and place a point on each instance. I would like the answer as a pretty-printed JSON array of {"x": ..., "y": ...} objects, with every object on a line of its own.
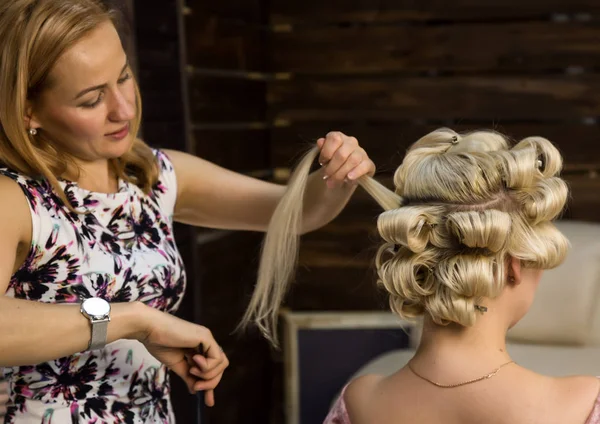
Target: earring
[
  {"x": 32, "y": 131},
  {"x": 511, "y": 279}
]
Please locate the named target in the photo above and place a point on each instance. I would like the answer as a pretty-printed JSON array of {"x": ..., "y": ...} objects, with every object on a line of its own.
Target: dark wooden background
[{"x": 249, "y": 83}]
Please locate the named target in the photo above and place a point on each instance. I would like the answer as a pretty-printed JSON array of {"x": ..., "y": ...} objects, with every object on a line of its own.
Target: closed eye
[
  {"x": 94, "y": 103},
  {"x": 126, "y": 77}
]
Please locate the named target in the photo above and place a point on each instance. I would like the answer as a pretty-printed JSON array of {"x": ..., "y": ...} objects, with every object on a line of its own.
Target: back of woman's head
[
  {"x": 463, "y": 205},
  {"x": 34, "y": 34},
  {"x": 469, "y": 203}
]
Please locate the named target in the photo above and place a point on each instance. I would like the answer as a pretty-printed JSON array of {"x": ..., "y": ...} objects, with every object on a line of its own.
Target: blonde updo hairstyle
[
  {"x": 469, "y": 203},
  {"x": 463, "y": 206}
]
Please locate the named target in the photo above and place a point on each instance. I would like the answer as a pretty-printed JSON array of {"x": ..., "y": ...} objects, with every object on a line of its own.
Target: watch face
[{"x": 96, "y": 306}]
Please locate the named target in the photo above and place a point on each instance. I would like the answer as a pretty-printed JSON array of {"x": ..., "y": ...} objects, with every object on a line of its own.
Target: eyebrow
[{"x": 98, "y": 87}]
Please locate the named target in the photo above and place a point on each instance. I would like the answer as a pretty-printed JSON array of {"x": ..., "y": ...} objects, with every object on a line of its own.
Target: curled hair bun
[
  {"x": 407, "y": 274},
  {"x": 409, "y": 226},
  {"x": 472, "y": 202},
  {"x": 448, "y": 307},
  {"x": 541, "y": 246},
  {"x": 487, "y": 229},
  {"x": 532, "y": 159},
  {"x": 551, "y": 160},
  {"x": 447, "y": 287},
  {"x": 470, "y": 275},
  {"x": 544, "y": 201}
]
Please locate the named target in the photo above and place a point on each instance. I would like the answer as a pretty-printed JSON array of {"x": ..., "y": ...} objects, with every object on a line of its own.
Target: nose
[{"x": 122, "y": 107}]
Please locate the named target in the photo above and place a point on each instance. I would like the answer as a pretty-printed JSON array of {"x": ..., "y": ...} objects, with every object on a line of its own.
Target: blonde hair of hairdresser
[
  {"x": 463, "y": 205},
  {"x": 33, "y": 36}
]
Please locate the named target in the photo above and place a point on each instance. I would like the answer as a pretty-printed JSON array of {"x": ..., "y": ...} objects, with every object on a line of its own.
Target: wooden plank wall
[
  {"x": 226, "y": 49},
  {"x": 389, "y": 71},
  {"x": 227, "y": 54}
]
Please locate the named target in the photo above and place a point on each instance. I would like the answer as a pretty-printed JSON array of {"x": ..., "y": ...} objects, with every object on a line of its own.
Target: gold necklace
[{"x": 449, "y": 386}]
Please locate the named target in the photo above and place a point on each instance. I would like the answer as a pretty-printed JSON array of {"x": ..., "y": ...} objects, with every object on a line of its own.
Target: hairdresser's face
[{"x": 90, "y": 102}]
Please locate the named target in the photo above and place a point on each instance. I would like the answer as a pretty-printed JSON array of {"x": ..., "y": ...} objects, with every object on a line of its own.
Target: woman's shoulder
[
  {"x": 38, "y": 191},
  {"x": 11, "y": 188},
  {"x": 163, "y": 158},
  {"x": 578, "y": 387},
  {"x": 358, "y": 394},
  {"x": 361, "y": 386},
  {"x": 351, "y": 396},
  {"x": 578, "y": 397},
  {"x": 16, "y": 211},
  {"x": 25, "y": 182},
  {"x": 10, "y": 174}
]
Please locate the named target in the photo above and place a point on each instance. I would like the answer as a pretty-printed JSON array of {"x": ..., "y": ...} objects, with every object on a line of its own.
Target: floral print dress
[{"x": 123, "y": 250}]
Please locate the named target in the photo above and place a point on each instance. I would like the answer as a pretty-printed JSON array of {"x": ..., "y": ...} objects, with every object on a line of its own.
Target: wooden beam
[
  {"x": 511, "y": 98},
  {"x": 311, "y": 12},
  {"x": 478, "y": 47}
]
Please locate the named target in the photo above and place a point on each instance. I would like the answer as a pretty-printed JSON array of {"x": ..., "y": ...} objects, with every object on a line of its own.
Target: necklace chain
[{"x": 464, "y": 383}]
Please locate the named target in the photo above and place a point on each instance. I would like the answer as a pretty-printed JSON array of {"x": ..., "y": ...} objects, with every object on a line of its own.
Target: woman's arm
[
  {"x": 211, "y": 196},
  {"x": 34, "y": 332}
]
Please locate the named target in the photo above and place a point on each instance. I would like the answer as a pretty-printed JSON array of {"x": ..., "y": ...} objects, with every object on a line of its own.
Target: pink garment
[
  {"x": 339, "y": 413},
  {"x": 594, "y": 417}
]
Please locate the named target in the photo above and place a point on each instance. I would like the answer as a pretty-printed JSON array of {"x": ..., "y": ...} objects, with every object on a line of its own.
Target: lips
[{"x": 118, "y": 132}]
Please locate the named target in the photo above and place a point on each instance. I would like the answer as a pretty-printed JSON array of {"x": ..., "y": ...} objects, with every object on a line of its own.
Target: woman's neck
[
  {"x": 94, "y": 176},
  {"x": 475, "y": 349}
]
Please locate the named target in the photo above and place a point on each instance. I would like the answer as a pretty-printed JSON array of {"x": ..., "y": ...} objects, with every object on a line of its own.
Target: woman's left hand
[{"x": 343, "y": 159}]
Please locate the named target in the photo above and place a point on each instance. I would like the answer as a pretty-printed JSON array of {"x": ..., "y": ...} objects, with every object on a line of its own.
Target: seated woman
[{"x": 466, "y": 237}]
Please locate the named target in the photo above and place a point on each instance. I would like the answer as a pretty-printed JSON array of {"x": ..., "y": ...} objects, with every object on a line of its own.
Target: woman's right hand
[{"x": 186, "y": 348}]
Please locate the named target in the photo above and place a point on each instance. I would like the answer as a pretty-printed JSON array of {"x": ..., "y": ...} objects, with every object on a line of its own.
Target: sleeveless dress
[
  {"x": 339, "y": 413},
  {"x": 123, "y": 250}
]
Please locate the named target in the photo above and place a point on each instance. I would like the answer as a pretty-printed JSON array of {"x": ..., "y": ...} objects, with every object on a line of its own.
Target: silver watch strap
[{"x": 99, "y": 334}]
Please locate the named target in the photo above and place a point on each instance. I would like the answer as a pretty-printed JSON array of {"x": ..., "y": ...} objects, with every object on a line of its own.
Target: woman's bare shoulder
[
  {"x": 576, "y": 395},
  {"x": 358, "y": 394},
  {"x": 14, "y": 212}
]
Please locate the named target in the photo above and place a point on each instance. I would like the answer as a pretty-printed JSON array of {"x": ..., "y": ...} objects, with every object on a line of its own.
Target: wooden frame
[{"x": 371, "y": 327}]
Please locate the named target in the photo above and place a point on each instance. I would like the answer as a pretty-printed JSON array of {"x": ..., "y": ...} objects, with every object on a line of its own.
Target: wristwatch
[{"x": 97, "y": 310}]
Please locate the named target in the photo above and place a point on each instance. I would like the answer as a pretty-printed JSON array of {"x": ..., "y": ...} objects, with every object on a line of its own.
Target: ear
[
  {"x": 514, "y": 271},
  {"x": 30, "y": 119}
]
